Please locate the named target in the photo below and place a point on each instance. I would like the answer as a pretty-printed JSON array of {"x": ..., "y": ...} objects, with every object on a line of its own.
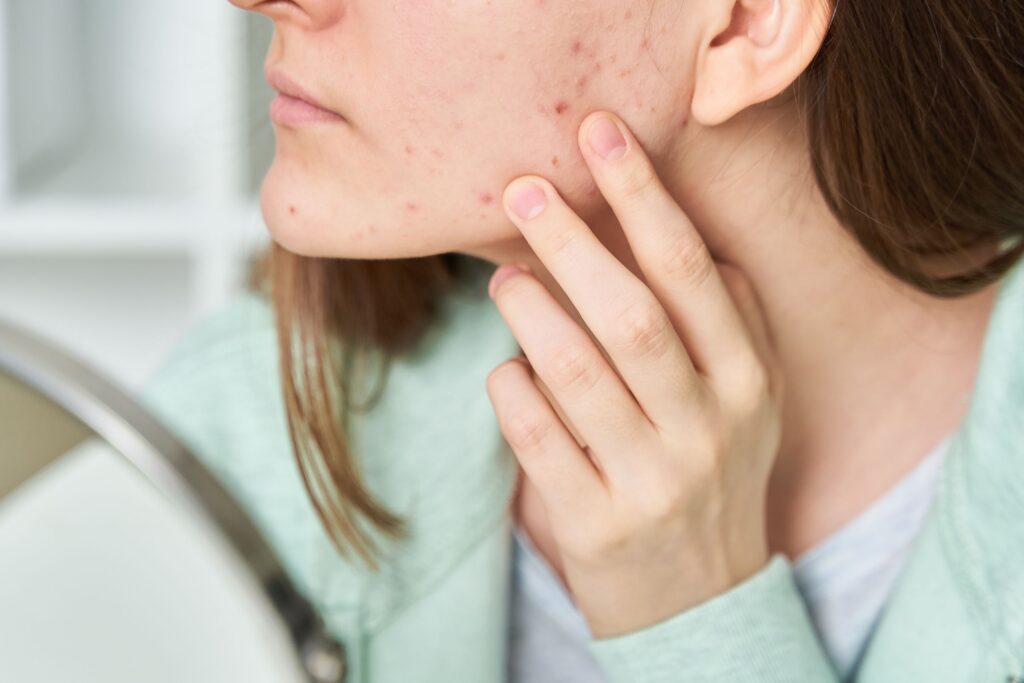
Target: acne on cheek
[
  {"x": 556, "y": 109},
  {"x": 559, "y": 107}
]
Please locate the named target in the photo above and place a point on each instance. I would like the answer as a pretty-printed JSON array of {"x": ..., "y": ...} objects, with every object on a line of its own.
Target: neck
[{"x": 876, "y": 372}]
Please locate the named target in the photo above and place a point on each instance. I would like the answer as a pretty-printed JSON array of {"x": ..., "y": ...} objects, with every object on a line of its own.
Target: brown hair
[{"x": 916, "y": 141}]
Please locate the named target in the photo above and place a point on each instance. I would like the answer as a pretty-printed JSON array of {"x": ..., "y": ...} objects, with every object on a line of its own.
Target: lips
[{"x": 293, "y": 97}]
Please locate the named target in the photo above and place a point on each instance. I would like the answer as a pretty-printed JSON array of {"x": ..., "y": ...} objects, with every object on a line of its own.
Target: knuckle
[
  {"x": 561, "y": 241},
  {"x": 637, "y": 183},
  {"x": 687, "y": 261},
  {"x": 643, "y": 329},
  {"x": 572, "y": 368},
  {"x": 660, "y": 502},
  {"x": 527, "y": 430},
  {"x": 758, "y": 381},
  {"x": 752, "y": 387},
  {"x": 600, "y": 544}
]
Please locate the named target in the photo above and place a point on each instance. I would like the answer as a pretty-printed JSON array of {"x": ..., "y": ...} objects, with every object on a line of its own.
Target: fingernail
[
  {"x": 528, "y": 200},
  {"x": 503, "y": 273},
  {"x": 606, "y": 139}
]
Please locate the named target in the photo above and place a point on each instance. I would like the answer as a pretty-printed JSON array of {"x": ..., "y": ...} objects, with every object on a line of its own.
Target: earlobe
[{"x": 752, "y": 51}]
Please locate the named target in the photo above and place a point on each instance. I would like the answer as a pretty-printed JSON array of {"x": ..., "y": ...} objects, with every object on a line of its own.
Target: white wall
[{"x": 133, "y": 137}]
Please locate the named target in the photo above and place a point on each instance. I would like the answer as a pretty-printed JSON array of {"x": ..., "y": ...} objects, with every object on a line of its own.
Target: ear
[{"x": 752, "y": 50}]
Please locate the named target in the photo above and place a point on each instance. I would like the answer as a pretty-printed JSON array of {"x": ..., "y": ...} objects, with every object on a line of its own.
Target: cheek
[
  {"x": 484, "y": 92},
  {"x": 453, "y": 66}
]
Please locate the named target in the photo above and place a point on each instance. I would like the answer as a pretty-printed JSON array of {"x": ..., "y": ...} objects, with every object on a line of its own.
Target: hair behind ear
[{"x": 916, "y": 137}]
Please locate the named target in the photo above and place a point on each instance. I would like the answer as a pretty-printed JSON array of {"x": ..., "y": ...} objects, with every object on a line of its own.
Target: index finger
[{"x": 675, "y": 261}]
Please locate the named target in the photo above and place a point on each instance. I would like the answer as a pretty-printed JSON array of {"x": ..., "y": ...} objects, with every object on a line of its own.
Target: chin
[
  {"x": 305, "y": 216},
  {"x": 287, "y": 205}
]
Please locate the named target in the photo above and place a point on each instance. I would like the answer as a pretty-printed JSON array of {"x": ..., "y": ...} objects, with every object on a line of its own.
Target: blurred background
[{"x": 133, "y": 138}]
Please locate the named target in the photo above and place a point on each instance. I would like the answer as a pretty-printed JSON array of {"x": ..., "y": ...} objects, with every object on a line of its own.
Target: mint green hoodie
[{"x": 432, "y": 451}]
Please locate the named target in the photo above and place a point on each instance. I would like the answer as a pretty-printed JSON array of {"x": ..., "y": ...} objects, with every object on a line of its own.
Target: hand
[{"x": 664, "y": 507}]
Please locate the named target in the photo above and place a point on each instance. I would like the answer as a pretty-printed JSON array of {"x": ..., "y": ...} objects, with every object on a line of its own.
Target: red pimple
[
  {"x": 554, "y": 160},
  {"x": 411, "y": 206},
  {"x": 408, "y": 149},
  {"x": 576, "y": 47},
  {"x": 486, "y": 197},
  {"x": 560, "y": 106},
  {"x": 291, "y": 210}
]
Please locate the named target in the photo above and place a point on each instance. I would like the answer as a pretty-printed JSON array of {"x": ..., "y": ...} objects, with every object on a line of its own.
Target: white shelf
[
  {"x": 90, "y": 226},
  {"x": 133, "y": 139}
]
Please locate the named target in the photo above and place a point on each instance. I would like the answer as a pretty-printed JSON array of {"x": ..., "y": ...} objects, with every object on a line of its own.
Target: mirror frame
[{"x": 112, "y": 414}]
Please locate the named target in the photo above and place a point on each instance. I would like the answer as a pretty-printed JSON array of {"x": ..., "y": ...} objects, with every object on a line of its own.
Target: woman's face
[{"x": 445, "y": 102}]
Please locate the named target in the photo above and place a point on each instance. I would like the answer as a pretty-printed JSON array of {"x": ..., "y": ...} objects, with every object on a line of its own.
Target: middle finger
[{"x": 624, "y": 315}]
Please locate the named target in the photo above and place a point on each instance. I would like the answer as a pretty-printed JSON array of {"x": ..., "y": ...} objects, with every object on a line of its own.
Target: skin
[
  {"x": 448, "y": 102},
  {"x": 676, "y": 398}
]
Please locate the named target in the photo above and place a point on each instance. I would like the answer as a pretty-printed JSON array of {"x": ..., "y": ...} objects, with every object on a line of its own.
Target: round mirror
[{"x": 122, "y": 557}]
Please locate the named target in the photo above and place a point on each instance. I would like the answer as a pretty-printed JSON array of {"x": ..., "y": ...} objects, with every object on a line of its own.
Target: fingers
[
  {"x": 671, "y": 253},
  {"x": 569, "y": 485},
  {"x": 623, "y": 314},
  {"x": 572, "y": 366}
]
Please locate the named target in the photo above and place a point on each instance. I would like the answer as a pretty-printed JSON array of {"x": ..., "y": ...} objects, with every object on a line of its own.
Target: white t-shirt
[{"x": 845, "y": 580}]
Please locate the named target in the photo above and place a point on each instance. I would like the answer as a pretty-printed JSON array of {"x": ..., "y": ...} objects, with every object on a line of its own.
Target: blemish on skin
[
  {"x": 291, "y": 210},
  {"x": 629, "y": 13},
  {"x": 358, "y": 236},
  {"x": 576, "y": 47},
  {"x": 486, "y": 197},
  {"x": 554, "y": 161},
  {"x": 408, "y": 149},
  {"x": 411, "y": 206},
  {"x": 581, "y": 85},
  {"x": 436, "y": 152},
  {"x": 501, "y": 56},
  {"x": 541, "y": 109},
  {"x": 458, "y": 125},
  {"x": 373, "y": 229},
  {"x": 645, "y": 44},
  {"x": 561, "y": 106},
  {"x": 597, "y": 66},
  {"x": 612, "y": 59}
]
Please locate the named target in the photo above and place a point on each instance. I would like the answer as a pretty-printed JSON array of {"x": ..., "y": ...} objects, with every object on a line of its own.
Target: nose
[{"x": 313, "y": 13}]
